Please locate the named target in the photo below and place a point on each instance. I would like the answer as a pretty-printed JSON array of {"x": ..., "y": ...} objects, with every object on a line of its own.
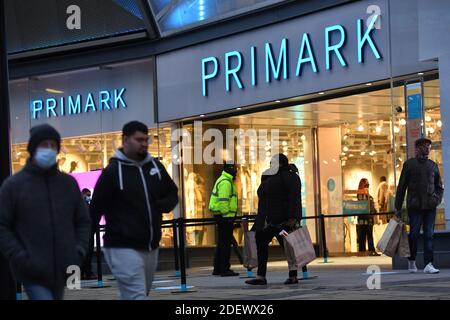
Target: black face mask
[{"x": 231, "y": 171}]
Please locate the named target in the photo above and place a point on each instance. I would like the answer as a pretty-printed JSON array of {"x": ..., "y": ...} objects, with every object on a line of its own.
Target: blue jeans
[
  {"x": 417, "y": 218},
  {"x": 37, "y": 292}
]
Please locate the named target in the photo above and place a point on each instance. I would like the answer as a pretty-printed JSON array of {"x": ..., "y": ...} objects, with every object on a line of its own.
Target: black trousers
[
  {"x": 223, "y": 247},
  {"x": 86, "y": 269},
  {"x": 263, "y": 238},
  {"x": 365, "y": 232}
]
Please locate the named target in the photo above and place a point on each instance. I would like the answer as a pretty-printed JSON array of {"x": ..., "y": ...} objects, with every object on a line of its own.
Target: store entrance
[{"x": 349, "y": 152}]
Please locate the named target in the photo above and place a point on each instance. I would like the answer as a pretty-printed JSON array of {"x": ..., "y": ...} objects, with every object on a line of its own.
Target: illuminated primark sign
[
  {"x": 279, "y": 68},
  {"x": 78, "y": 104}
]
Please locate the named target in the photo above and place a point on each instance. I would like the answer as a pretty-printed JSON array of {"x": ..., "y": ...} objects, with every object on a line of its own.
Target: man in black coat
[
  {"x": 44, "y": 221},
  {"x": 133, "y": 192},
  {"x": 279, "y": 208},
  {"x": 420, "y": 176}
]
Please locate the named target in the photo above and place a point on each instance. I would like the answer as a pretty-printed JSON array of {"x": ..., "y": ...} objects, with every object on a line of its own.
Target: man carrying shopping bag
[{"x": 420, "y": 176}]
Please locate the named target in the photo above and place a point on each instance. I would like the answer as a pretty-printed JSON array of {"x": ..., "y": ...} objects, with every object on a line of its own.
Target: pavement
[{"x": 344, "y": 278}]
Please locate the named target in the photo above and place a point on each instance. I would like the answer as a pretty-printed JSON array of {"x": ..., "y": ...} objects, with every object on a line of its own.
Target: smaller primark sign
[{"x": 54, "y": 107}]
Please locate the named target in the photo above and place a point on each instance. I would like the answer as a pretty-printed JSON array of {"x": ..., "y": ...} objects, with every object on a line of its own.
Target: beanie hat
[{"x": 41, "y": 133}]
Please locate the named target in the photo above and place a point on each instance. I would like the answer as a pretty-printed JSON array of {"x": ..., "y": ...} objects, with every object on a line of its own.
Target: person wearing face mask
[
  {"x": 421, "y": 178},
  {"x": 44, "y": 221},
  {"x": 365, "y": 223},
  {"x": 223, "y": 205}
]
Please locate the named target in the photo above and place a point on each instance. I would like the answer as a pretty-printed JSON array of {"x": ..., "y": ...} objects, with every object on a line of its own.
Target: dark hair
[
  {"x": 85, "y": 190},
  {"x": 132, "y": 127},
  {"x": 283, "y": 161},
  {"x": 362, "y": 183},
  {"x": 383, "y": 178},
  {"x": 422, "y": 141}
]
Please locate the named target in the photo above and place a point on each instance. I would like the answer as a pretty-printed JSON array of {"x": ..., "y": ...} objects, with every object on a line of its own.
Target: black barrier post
[
  {"x": 324, "y": 238},
  {"x": 98, "y": 253},
  {"x": 182, "y": 254},
  {"x": 99, "y": 258},
  {"x": 175, "y": 248},
  {"x": 19, "y": 291}
]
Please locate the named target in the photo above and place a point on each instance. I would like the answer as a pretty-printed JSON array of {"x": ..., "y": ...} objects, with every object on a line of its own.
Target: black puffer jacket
[
  {"x": 422, "y": 180},
  {"x": 279, "y": 198},
  {"x": 132, "y": 196},
  {"x": 44, "y": 225}
]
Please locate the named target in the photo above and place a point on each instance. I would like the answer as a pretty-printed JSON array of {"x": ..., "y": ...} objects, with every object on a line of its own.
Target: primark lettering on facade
[
  {"x": 277, "y": 68},
  {"x": 77, "y": 104}
]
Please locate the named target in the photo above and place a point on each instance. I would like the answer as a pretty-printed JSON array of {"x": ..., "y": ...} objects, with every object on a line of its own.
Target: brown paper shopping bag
[
  {"x": 391, "y": 237},
  {"x": 403, "y": 246},
  {"x": 300, "y": 242}
]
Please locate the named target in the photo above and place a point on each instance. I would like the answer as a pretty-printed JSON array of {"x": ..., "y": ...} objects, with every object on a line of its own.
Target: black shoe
[
  {"x": 291, "y": 280},
  {"x": 257, "y": 282},
  {"x": 216, "y": 273},
  {"x": 229, "y": 273}
]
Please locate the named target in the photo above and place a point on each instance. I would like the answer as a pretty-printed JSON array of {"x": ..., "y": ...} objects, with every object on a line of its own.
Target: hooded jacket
[
  {"x": 44, "y": 225},
  {"x": 279, "y": 198},
  {"x": 132, "y": 196},
  {"x": 420, "y": 176}
]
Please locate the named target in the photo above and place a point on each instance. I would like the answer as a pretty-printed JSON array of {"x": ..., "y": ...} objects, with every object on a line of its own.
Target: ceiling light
[
  {"x": 402, "y": 122},
  {"x": 303, "y": 137},
  {"x": 345, "y": 149},
  {"x": 321, "y": 93},
  {"x": 396, "y": 129},
  {"x": 378, "y": 129},
  {"x": 361, "y": 128},
  {"x": 363, "y": 153},
  {"x": 427, "y": 118},
  {"x": 49, "y": 90},
  {"x": 439, "y": 123},
  {"x": 368, "y": 84}
]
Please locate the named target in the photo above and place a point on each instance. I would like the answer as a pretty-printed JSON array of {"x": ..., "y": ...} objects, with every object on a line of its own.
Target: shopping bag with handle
[
  {"x": 250, "y": 255},
  {"x": 390, "y": 240},
  {"x": 301, "y": 244},
  {"x": 403, "y": 245}
]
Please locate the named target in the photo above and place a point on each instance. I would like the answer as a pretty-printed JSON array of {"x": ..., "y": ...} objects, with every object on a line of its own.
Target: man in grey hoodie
[
  {"x": 133, "y": 192},
  {"x": 44, "y": 222}
]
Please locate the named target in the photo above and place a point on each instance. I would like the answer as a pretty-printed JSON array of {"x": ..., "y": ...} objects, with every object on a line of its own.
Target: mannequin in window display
[
  {"x": 365, "y": 224},
  {"x": 382, "y": 195},
  {"x": 246, "y": 188}
]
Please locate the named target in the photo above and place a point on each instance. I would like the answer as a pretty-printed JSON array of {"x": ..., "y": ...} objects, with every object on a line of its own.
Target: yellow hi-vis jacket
[{"x": 223, "y": 199}]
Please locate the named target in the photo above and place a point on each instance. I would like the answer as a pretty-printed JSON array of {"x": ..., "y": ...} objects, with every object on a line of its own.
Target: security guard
[{"x": 223, "y": 205}]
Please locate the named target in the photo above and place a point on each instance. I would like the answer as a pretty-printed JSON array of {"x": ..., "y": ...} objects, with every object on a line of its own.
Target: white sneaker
[
  {"x": 430, "y": 269},
  {"x": 412, "y": 266}
]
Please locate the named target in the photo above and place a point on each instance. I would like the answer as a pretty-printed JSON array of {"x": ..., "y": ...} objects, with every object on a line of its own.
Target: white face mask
[{"x": 45, "y": 158}]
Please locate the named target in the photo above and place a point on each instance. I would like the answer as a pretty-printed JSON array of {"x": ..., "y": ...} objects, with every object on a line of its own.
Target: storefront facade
[{"x": 344, "y": 90}]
